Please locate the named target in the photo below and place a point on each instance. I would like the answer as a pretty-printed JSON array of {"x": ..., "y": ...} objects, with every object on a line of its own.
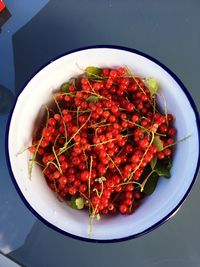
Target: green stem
[
  {"x": 54, "y": 152},
  {"x": 53, "y": 163},
  {"x": 79, "y": 129},
  {"x": 95, "y": 209},
  {"x": 179, "y": 141},
  {"x": 91, "y": 161},
  {"x": 146, "y": 179},
  {"x": 131, "y": 175},
  {"x": 38, "y": 145},
  {"x": 130, "y": 182},
  {"x": 65, "y": 147},
  {"x": 38, "y": 163},
  {"x": 77, "y": 115},
  {"x": 114, "y": 164},
  {"x": 138, "y": 125},
  {"x": 65, "y": 129},
  {"x": 165, "y": 106},
  {"x": 86, "y": 161},
  {"x": 104, "y": 142}
]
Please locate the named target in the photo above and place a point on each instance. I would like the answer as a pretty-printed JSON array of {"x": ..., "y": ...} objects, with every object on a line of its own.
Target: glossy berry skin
[
  {"x": 100, "y": 139},
  {"x": 123, "y": 208}
]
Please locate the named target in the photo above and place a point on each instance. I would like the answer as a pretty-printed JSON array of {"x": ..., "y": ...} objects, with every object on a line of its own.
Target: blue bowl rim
[{"x": 160, "y": 222}]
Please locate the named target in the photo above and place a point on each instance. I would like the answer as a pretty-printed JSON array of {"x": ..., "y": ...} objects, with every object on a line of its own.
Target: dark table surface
[{"x": 41, "y": 30}]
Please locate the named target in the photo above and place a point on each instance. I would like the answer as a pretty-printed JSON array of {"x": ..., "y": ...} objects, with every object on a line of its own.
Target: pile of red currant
[{"x": 102, "y": 141}]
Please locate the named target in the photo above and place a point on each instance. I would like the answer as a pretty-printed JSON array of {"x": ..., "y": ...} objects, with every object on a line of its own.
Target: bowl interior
[{"x": 35, "y": 190}]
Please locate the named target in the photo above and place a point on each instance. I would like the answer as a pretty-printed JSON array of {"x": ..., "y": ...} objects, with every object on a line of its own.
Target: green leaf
[
  {"x": 98, "y": 217},
  {"x": 151, "y": 184},
  {"x": 168, "y": 162},
  {"x": 158, "y": 143},
  {"x": 162, "y": 169},
  {"x": 77, "y": 203},
  {"x": 65, "y": 87},
  {"x": 152, "y": 85},
  {"x": 159, "y": 168},
  {"x": 80, "y": 203},
  {"x": 153, "y": 162},
  {"x": 101, "y": 179},
  {"x": 92, "y": 72},
  {"x": 94, "y": 99},
  {"x": 73, "y": 205}
]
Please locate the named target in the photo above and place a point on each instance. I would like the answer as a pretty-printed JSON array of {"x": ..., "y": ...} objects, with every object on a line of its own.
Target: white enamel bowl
[{"x": 156, "y": 208}]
